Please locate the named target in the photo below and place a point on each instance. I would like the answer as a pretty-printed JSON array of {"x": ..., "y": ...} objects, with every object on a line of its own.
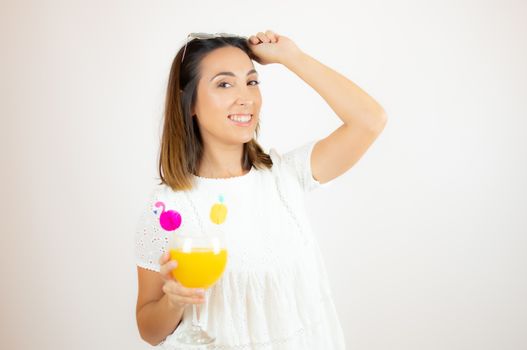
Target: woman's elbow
[
  {"x": 147, "y": 336},
  {"x": 149, "y": 339}
]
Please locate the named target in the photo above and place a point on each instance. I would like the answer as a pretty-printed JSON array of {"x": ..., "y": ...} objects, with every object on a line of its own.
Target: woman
[{"x": 274, "y": 293}]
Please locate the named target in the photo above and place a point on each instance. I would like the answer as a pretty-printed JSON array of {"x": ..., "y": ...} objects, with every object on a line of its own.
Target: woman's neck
[{"x": 222, "y": 161}]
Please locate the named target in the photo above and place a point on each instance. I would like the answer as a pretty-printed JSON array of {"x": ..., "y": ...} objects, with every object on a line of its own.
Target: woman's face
[{"x": 228, "y": 85}]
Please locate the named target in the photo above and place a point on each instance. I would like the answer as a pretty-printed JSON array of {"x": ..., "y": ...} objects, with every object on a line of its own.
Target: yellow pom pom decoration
[{"x": 218, "y": 212}]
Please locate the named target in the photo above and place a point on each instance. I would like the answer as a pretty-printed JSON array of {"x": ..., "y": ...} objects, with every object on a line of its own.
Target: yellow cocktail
[
  {"x": 198, "y": 267},
  {"x": 201, "y": 260}
]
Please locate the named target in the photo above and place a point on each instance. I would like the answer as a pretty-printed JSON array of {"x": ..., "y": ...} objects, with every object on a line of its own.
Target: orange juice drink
[{"x": 199, "y": 267}]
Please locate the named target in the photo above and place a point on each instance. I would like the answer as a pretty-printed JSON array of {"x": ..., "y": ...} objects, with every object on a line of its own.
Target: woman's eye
[{"x": 252, "y": 82}]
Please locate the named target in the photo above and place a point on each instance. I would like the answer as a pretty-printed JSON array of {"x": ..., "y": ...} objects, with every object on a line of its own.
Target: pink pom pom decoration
[{"x": 169, "y": 220}]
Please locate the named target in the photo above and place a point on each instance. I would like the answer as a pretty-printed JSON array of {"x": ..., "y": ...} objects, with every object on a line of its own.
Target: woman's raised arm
[{"x": 363, "y": 118}]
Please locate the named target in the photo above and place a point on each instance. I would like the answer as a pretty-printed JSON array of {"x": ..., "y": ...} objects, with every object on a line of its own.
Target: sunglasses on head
[{"x": 207, "y": 36}]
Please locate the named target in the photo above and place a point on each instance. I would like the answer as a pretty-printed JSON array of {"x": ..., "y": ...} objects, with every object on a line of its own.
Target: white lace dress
[{"x": 274, "y": 293}]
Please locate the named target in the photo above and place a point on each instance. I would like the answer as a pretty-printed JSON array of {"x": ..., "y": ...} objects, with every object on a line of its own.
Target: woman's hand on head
[
  {"x": 270, "y": 47},
  {"x": 178, "y": 295}
]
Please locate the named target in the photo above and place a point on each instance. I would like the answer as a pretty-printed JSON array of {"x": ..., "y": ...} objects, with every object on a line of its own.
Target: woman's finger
[
  {"x": 263, "y": 38},
  {"x": 180, "y": 299},
  {"x": 166, "y": 269},
  {"x": 180, "y": 294},
  {"x": 164, "y": 258},
  {"x": 189, "y": 292},
  {"x": 186, "y": 300},
  {"x": 174, "y": 287},
  {"x": 271, "y": 35}
]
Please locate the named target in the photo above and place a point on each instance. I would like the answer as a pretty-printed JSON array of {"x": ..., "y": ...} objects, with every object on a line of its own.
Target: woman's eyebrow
[{"x": 232, "y": 74}]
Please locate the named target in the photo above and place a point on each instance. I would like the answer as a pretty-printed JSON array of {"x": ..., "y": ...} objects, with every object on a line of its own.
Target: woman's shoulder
[
  {"x": 293, "y": 160},
  {"x": 296, "y": 156},
  {"x": 296, "y": 164}
]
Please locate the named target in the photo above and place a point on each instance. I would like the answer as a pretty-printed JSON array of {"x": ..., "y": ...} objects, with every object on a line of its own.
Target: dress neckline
[{"x": 224, "y": 179}]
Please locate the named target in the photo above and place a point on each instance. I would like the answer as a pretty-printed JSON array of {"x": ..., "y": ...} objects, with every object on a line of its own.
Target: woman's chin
[
  {"x": 243, "y": 141},
  {"x": 245, "y": 138}
]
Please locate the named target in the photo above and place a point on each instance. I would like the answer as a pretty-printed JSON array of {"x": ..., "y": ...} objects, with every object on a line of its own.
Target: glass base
[{"x": 195, "y": 336}]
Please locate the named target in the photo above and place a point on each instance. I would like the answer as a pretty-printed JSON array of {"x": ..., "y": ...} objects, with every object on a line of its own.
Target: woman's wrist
[{"x": 292, "y": 57}]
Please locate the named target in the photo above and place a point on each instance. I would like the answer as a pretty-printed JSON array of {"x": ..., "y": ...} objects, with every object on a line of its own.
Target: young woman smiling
[{"x": 274, "y": 292}]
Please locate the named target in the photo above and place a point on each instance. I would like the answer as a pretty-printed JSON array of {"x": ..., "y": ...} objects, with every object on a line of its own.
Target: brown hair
[{"x": 181, "y": 146}]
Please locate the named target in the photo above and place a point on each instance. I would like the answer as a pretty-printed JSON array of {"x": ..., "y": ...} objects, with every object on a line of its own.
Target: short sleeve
[
  {"x": 298, "y": 163},
  {"x": 150, "y": 238}
]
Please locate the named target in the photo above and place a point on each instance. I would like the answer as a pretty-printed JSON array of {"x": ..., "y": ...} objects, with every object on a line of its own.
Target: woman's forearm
[
  {"x": 158, "y": 319},
  {"x": 351, "y": 104}
]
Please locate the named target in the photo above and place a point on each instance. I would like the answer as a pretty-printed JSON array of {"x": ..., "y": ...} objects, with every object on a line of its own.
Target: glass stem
[{"x": 195, "y": 315}]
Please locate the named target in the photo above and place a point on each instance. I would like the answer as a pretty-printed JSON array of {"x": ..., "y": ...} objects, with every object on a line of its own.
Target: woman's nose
[
  {"x": 245, "y": 96},
  {"x": 245, "y": 102}
]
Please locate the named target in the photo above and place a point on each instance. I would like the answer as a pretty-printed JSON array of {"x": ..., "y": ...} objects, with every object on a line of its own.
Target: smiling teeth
[{"x": 240, "y": 118}]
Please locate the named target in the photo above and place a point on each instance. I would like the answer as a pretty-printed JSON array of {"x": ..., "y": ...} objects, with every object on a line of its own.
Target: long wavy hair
[{"x": 181, "y": 146}]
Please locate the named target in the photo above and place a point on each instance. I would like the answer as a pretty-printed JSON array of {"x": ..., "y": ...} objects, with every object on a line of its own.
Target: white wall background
[{"x": 425, "y": 238}]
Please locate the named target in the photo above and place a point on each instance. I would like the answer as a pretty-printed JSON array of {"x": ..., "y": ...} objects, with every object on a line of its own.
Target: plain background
[{"x": 424, "y": 238}]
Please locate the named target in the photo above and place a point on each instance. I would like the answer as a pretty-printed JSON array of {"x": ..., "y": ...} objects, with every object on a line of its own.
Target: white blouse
[{"x": 274, "y": 293}]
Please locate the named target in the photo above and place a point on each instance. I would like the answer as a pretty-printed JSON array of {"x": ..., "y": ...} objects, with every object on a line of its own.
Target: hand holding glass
[{"x": 201, "y": 261}]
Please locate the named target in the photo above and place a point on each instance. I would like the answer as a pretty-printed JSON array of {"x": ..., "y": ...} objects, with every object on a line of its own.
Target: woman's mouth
[{"x": 241, "y": 119}]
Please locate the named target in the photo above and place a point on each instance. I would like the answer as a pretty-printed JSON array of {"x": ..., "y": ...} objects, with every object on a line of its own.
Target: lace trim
[
  {"x": 288, "y": 208},
  {"x": 201, "y": 227},
  {"x": 253, "y": 345},
  {"x": 147, "y": 266},
  {"x": 224, "y": 179}
]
